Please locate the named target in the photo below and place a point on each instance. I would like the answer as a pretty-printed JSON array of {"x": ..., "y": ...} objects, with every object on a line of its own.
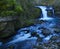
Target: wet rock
[
  {"x": 45, "y": 31},
  {"x": 55, "y": 38},
  {"x": 39, "y": 47},
  {"x": 34, "y": 34},
  {"x": 26, "y": 31},
  {"x": 57, "y": 30},
  {"x": 50, "y": 45},
  {"x": 39, "y": 21}
]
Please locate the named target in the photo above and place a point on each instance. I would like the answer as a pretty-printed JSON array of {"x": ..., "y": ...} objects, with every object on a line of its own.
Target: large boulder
[
  {"x": 45, "y": 31},
  {"x": 7, "y": 27}
]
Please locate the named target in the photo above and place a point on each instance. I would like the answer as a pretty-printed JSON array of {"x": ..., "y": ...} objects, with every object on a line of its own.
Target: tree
[{"x": 9, "y": 8}]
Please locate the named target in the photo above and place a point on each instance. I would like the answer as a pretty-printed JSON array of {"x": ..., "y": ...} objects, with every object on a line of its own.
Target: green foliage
[
  {"x": 7, "y": 13},
  {"x": 9, "y": 8},
  {"x": 6, "y": 4},
  {"x": 18, "y": 8}
]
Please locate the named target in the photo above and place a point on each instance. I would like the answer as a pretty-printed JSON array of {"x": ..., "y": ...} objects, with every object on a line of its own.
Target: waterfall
[
  {"x": 44, "y": 12},
  {"x": 36, "y": 34}
]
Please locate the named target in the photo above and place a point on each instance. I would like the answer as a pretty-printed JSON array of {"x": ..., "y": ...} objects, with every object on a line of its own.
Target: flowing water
[
  {"x": 28, "y": 37},
  {"x": 44, "y": 12}
]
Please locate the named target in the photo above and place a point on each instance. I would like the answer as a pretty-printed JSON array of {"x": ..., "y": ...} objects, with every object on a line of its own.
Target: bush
[{"x": 9, "y": 8}]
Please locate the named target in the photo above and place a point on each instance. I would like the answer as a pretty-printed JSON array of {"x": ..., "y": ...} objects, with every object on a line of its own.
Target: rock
[
  {"x": 45, "y": 31},
  {"x": 25, "y": 31},
  {"x": 7, "y": 26},
  {"x": 54, "y": 38},
  {"x": 33, "y": 34},
  {"x": 8, "y": 30},
  {"x": 39, "y": 47},
  {"x": 57, "y": 30},
  {"x": 2, "y": 25}
]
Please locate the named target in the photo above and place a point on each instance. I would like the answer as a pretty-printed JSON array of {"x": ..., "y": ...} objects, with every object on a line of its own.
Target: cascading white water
[{"x": 44, "y": 13}]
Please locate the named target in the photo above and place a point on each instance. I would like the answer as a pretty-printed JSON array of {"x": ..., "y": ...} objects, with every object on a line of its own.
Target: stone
[
  {"x": 45, "y": 31},
  {"x": 7, "y": 26},
  {"x": 2, "y": 25},
  {"x": 57, "y": 30},
  {"x": 55, "y": 39},
  {"x": 8, "y": 30},
  {"x": 33, "y": 34}
]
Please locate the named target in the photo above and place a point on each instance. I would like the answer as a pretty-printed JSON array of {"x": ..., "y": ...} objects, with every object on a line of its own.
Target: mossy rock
[{"x": 8, "y": 30}]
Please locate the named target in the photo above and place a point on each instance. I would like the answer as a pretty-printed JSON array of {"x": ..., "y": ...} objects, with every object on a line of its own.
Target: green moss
[{"x": 28, "y": 22}]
